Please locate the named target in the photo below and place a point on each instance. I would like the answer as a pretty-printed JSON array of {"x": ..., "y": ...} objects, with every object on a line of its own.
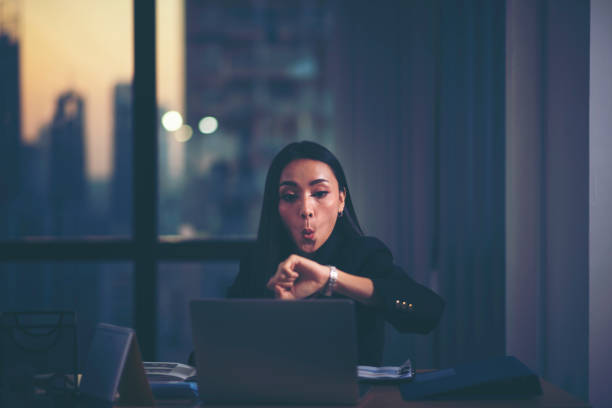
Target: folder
[{"x": 496, "y": 378}]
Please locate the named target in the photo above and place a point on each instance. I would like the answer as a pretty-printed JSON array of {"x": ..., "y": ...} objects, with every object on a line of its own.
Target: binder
[{"x": 496, "y": 378}]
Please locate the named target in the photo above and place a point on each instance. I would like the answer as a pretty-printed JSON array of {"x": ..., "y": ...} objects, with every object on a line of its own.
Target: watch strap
[{"x": 331, "y": 282}]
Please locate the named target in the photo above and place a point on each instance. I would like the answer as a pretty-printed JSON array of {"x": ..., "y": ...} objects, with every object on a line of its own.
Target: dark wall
[{"x": 600, "y": 199}]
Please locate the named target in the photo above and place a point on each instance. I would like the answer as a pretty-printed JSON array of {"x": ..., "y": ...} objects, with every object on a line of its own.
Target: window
[
  {"x": 98, "y": 292},
  {"x": 64, "y": 108},
  {"x": 178, "y": 283},
  {"x": 91, "y": 203},
  {"x": 236, "y": 82}
]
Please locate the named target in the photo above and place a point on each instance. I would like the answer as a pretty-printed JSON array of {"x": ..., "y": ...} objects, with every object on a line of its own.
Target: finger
[
  {"x": 285, "y": 284},
  {"x": 278, "y": 276},
  {"x": 291, "y": 263},
  {"x": 286, "y": 269},
  {"x": 282, "y": 293},
  {"x": 282, "y": 277},
  {"x": 283, "y": 272},
  {"x": 290, "y": 275},
  {"x": 271, "y": 283}
]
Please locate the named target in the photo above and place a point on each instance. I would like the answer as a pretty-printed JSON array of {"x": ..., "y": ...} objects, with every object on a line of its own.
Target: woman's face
[{"x": 309, "y": 202}]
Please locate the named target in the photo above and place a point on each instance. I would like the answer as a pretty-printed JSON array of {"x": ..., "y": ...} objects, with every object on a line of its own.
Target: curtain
[
  {"x": 419, "y": 96},
  {"x": 547, "y": 188},
  {"x": 463, "y": 127}
]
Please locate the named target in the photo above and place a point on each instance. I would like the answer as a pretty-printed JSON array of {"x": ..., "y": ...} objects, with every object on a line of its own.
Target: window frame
[{"x": 145, "y": 249}]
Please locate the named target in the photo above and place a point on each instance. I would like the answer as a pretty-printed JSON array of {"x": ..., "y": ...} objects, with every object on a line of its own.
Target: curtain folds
[{"x": 420, "y": 100}]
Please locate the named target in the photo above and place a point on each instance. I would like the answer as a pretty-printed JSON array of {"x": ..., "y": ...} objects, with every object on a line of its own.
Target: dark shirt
[{"x": 407, "y": 305}]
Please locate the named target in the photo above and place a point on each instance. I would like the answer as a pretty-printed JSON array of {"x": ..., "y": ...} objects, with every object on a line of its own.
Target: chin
[{"x": 307, "y": 248}]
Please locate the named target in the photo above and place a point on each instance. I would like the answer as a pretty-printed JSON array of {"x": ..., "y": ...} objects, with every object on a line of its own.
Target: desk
[{"x": 381, "y": 396}]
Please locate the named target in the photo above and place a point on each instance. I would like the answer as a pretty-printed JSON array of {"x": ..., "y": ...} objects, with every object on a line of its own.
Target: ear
[{"x": 342, "y": 198}]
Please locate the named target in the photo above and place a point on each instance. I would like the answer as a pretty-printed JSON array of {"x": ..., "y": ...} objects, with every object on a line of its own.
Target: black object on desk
[
  {"x": 38, "y": 354},
  {"x": 496, "y": 378}
]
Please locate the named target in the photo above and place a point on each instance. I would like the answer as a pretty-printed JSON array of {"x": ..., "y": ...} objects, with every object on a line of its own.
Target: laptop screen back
[{"x": 270, "y": 351}]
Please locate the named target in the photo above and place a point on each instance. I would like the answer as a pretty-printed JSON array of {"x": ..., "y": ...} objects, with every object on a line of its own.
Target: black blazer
[{"x": 407, "y": 305}]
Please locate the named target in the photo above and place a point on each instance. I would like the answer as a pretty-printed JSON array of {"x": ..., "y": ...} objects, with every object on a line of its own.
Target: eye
[
  {"x": 320, "y": 194},
  {"x": 288, "y": 197}
]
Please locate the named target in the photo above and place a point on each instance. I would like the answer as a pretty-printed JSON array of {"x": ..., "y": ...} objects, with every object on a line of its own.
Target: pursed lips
[{"x": 308, "y": 233}]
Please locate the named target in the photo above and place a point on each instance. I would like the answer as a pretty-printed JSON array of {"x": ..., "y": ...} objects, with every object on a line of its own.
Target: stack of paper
[{"x": 405, "y": 372}]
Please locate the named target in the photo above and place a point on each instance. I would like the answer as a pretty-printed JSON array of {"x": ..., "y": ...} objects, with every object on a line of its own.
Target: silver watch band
[{"x": 331, "y": 282}]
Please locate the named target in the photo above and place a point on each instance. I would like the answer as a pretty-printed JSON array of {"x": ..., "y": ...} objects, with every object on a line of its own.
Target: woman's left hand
[{"x": 311, "y": 278}]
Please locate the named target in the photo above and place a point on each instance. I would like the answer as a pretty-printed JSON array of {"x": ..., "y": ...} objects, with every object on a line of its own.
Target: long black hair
[{"x": 272, "y": 234}]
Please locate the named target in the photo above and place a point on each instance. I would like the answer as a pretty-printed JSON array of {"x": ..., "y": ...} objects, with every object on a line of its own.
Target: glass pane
[
  {"x": 178, "y": 284},
  {"x": 65, "y": 66},
  {"x": 244, "y": 80},
  {"x": 96, "y": 292}
]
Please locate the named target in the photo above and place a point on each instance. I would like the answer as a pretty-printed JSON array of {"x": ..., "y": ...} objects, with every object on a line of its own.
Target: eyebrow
[{"x": 294, "y": 184}]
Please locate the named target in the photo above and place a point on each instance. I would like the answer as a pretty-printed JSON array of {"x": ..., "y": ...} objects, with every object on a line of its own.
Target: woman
[{"x": 310, "y": 244}]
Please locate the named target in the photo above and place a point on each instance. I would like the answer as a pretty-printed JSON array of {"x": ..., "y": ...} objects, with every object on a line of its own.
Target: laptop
[{"x": 275, "y": 352}]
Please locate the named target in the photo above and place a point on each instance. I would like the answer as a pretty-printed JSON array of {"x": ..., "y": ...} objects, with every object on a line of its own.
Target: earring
[{"x": 340, "y": 214}]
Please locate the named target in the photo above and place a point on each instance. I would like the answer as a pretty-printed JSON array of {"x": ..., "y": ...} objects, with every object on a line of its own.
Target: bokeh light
[
  {"x": 183, "y": 134},
  {"x": 208, "y": 125},
  {"x": 172, "y": 121}
]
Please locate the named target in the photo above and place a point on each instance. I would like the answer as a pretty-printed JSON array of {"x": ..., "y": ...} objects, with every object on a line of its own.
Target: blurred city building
[
  {"x": 169, "y": 181},
  {"x": 45, "y": 184},
  {"x": 259, "y": 68},
  {"x": 10, "y": 127},
  {"x": 121, "y": 189},
  {"x": 34, "y": 213},
  {"x": 67, "y": 183},
  {"x": 121, "y": 184}
]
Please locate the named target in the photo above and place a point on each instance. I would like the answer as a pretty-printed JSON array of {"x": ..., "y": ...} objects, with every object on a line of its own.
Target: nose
[{"x": 306, "y": 210}]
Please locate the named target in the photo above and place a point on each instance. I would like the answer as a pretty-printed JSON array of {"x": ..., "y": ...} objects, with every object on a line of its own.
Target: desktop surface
[{"x": 389, "y": 396}]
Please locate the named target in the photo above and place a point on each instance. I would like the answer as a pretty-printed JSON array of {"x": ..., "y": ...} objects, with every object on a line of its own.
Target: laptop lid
[{"x": 270, "y": 351}]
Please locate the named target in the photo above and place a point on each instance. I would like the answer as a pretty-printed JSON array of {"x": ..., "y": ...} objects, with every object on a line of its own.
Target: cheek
[
  {"x": 284, "y": 210},
  {"x": 331, "y": 208}
]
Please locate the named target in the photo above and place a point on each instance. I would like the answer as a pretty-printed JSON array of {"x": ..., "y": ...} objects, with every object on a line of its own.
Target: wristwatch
[{"x": 331, "y": 282}]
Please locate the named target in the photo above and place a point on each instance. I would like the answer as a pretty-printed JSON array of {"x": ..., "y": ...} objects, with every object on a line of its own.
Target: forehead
[{"x": 303, "y": 171}]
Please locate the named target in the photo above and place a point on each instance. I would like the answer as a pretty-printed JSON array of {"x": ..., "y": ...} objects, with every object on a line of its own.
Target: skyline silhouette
[{"x": 259, "y": 70}]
